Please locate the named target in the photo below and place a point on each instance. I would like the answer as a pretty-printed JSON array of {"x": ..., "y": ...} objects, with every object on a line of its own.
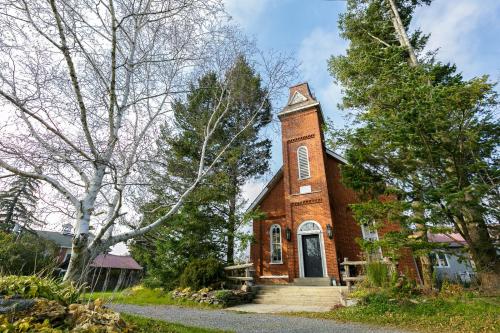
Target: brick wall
[
  {"x": 274, "y": 207},
  {"x": 345, "y": 228},
  {"x": 328, "y": 202},
  {"x": 303, "y": 128}
]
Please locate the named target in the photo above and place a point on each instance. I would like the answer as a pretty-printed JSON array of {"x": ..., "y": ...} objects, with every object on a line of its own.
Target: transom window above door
[{"x": 309, "y": 226}]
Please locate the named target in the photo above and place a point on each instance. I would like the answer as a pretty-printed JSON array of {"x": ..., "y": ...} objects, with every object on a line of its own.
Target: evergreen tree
[
  {"x": 249, "y": 154},
  {"x": 18, "y": 204},
  {"x": 26, "y": 254},
  {"x": 207, "y": 225},
  {"x": 424, "y": 148}
]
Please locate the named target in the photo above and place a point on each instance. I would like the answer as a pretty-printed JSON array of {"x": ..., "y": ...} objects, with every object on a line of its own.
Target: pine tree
[
  {"x": 425, "y": 137},
  {"x": 207, "y": 225},
  {"x": 249, "y": 154},
  {"x": 18, "y": 204}
]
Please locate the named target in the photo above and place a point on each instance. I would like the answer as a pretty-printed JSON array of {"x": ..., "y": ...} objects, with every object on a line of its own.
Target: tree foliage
[
  {"x": 26, "y": 254},
  {"x": 423, "y": 137},
  {"x": 208, "y": 223},
  {"x": 18, "y": 204}
]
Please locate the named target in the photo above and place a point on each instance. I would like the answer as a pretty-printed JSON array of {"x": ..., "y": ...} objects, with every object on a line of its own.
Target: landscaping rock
[
  {"x": 11, "y": 305},
  {"x": 216, "y": 297},
  {"x": 47, "y": 315}
]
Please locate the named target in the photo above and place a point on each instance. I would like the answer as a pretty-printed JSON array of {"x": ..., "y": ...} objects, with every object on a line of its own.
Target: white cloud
[
  {"x": 120, "y": 249},
  {"x": 245, "y": 12},
  {"x": 251, "y": 190},
  {"x": 316, "y": 49},
  {"x": 314, "y": 52},
  {"x": 455, "y": 28}
]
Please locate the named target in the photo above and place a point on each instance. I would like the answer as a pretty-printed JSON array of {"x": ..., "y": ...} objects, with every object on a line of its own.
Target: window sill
[
  {"x": 273, "y": 277},
  {"x": 296, "y": 194},
  {"x": 276, "y": 263}
]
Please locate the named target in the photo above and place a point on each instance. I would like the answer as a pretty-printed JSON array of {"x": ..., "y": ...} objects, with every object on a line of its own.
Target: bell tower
[{"x": 307, "y": 203}]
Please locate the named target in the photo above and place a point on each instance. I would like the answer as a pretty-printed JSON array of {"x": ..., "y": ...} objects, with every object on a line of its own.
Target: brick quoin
[{"x": 327, "y": 203}]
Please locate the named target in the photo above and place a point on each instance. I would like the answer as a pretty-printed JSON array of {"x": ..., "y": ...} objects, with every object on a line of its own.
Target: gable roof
[
  {"x": 62, "y": 240},
  {"x": 266, "y": 190},
  {"x": 114, "y": 261},
  {"x": 336, "y": 156},
  {"x": 453, "y": 239},
  {"x": 301, "y": 98}
]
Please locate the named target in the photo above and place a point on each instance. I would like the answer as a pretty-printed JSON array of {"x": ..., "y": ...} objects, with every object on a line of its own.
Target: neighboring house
[
  {"x": 107, "y": 271},
  {"x": 452, "y": 263},
  {"x": 309, "y": 228},
  {"x": 63, "y": 240}
]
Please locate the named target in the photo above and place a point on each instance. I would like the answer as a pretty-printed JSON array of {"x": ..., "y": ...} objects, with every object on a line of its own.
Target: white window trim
[
  {"x": 439, "y": 262},
  {"x": 321, "y": 246},
  {"x": 273, "y": 277},
  {"x": 308, "y": 164},
  {"x": 365, "y": 231},
  {"x": 272, "y": 245}
]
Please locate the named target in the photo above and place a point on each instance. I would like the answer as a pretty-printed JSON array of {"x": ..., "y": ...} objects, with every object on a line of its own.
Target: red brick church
[{"x": 308, "y": 227}]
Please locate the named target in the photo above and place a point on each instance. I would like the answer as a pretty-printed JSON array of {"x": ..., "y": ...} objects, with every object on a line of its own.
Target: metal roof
[
  {"x": 453, "y": 239},
  {"x": 114, "y": 261},
  {"x": 63, "y": 240}
]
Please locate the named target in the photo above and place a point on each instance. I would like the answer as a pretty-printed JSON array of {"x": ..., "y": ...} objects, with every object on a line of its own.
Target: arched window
[
  {"x": 309, "y": 227},
  {"x": 303, "y": 162},
  {"x": 276, "y": 257}
]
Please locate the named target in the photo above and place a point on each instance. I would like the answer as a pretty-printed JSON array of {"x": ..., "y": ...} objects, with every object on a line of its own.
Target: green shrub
[
  {"x": 34, "y": 286},
  {"x": 377, "y": 274},
  {"x": 26, "y": 254},
  {"x": 223, "y": 295},
  {"x": 201, "y": 273}
]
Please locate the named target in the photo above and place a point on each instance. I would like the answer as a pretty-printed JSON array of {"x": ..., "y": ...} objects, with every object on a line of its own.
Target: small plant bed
[
  {"x": 34, "y": 304},
  {"x": 148, "y": 325},
  {"x": 439, "y": 313},
  {"x": 140, "y": 295},
  {"x": 204, "y": 298},
  {"x": 223, "y": 298}
]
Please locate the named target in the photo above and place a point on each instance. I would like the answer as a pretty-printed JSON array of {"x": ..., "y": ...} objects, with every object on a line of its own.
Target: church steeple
[
  {"x": 300, "y": 99},
  {"x": 305, "y": 182}
]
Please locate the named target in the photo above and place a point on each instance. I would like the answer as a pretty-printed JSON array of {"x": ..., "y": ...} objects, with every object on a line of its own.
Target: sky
[{"x": 466, "y": 32}]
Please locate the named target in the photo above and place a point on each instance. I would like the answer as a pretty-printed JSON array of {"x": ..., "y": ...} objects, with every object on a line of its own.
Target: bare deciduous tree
[{"x": 84, "y": 85}]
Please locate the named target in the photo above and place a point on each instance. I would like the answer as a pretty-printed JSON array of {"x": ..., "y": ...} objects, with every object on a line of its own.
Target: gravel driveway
[{"x": 243, "y": 322}]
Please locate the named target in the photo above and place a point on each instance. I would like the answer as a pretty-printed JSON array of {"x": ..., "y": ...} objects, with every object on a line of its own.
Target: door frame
[{"x": 318, "y": 232}]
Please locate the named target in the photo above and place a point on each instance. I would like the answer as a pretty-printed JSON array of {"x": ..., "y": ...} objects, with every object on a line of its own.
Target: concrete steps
[
  {"x": 300, "y": 295},
  {"x": 320, "y": 281}
]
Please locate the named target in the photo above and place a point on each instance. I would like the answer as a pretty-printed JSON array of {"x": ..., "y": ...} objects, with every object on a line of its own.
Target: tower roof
[{"x": 300, "y": 98}]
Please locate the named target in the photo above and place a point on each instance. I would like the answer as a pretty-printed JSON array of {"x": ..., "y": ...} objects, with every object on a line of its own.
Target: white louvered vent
[{"x": 303, "y": 160}]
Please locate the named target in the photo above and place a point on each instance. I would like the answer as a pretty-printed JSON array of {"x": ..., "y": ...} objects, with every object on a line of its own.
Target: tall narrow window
[
  {"x": 276, "y": 244},
  {"x": 303, "y": 160}
]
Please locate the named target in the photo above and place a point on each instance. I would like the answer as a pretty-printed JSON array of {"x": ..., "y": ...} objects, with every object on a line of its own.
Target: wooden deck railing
[
  {"x": 347, "y": 274},
  {"x": 240, "y": 273}
]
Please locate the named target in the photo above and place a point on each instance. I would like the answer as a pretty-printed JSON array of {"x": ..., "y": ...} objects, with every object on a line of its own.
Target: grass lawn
[
  {"x": 429, "y": 315},
  {"x": 144, "y": 296},
  {"x": 148, "y": 325}
]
